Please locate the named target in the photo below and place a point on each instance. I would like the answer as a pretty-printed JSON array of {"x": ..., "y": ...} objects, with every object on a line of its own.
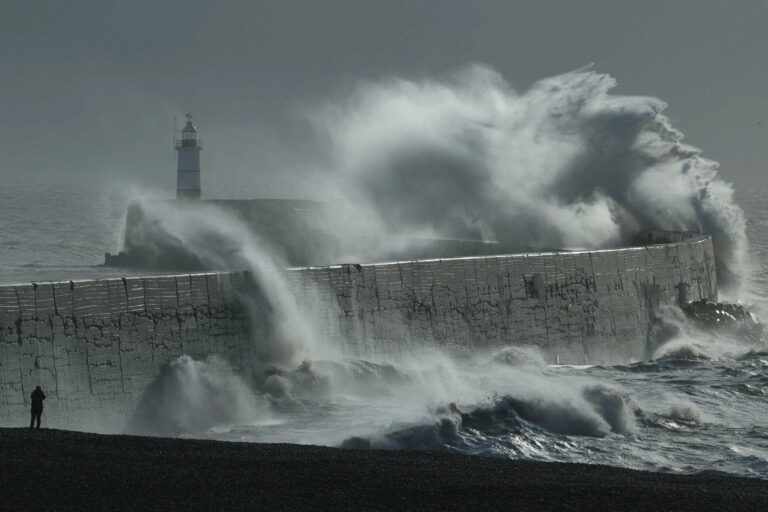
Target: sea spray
[
  {"x": 684, "y": 334},
  {"x": 498, "y": 399},
  {"x": 192, "y": 396},
  {"x": 118, "y": 237},
  {"x": 564, "y": 164},
  {"x": 282, "y": 334}
]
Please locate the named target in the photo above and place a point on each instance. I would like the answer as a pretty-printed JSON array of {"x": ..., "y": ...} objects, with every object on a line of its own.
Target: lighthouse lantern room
[{"x": 188, "y": 169}]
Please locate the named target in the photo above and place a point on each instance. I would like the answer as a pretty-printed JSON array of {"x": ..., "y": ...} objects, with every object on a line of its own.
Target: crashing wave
[
  {"x": 704, "y": 330},
  {"x": 600, "y": 412},
  {"x": 193, "y": 396}
]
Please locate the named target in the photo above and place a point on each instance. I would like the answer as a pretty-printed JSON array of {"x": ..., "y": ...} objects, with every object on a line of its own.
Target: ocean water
[
  {"x": 51, "y": 229},
  {"x": 698, "y": 410}
]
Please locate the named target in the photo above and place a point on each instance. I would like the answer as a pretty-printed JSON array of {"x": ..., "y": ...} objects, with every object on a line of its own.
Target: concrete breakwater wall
[
  {"x": 585, "y": 307},
  {"x": 96, "y": 346}
]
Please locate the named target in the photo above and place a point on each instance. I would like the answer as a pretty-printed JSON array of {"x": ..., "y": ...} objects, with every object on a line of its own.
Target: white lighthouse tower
[{"x": 188, "y": 168}]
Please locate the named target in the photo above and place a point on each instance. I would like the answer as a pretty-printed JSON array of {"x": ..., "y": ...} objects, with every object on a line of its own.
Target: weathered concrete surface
[
  {"x": 585, "y": 307},
  {"x": 95, "y": 346}
]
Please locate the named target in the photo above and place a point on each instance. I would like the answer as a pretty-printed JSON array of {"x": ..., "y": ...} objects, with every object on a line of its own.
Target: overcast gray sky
[{"x": 89, "y": 88}]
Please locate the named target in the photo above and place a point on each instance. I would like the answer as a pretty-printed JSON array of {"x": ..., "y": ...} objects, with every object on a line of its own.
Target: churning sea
[{"x": 707, "y": 413}]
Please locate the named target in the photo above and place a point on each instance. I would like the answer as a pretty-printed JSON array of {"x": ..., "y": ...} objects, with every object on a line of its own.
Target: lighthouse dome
[{"x": 189, "y": 127}]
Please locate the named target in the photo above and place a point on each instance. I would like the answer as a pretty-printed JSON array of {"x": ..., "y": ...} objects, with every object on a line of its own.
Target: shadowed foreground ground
[{"x": 54, "y": 469}]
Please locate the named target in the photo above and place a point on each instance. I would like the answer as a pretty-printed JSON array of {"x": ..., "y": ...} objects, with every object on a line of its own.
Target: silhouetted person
[{"x": 37, "y": 406}]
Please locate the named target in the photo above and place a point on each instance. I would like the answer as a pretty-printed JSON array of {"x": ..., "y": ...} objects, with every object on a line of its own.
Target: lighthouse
[{"x": 188, "y": 168}]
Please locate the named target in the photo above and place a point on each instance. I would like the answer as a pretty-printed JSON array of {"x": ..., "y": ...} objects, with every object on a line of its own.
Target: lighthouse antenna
[{"x": 175, "y": 156}]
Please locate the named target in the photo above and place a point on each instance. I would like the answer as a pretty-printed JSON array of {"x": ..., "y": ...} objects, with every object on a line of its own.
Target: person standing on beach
[{"x": 37, "y": 406}]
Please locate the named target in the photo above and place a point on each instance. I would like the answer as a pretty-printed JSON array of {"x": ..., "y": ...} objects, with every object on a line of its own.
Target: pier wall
[
  {"x": 95, "y": 346},
  {"x": 583, "y": 307}
]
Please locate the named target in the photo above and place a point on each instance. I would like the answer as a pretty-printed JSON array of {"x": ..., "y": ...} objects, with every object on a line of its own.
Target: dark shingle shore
[{"x": 62, "y": 470}]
